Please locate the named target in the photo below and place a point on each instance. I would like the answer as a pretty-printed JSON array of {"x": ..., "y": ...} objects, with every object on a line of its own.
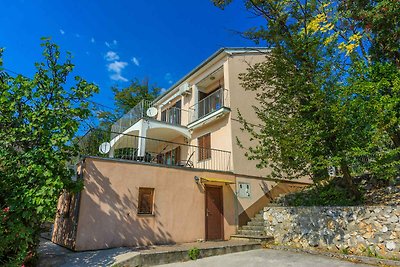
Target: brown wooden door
[{"x": 214, "y": 213}]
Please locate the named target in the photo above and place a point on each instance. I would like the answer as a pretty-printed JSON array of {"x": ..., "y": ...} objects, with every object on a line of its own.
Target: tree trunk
[
  {"x": 349, "y": 181},
  {"x": 395, "y": 138}
]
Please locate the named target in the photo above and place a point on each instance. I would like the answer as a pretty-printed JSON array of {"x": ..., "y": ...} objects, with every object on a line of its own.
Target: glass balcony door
[
  {"x": 172, "y": 115},
  {"x": 209, "y": 102}
]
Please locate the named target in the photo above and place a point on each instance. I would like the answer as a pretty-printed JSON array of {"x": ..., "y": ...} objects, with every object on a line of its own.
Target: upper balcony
[
  {"x": 130, "y": 118},
  {"x": 187, "y": 106},
  {"x": 209, "y": 106}
]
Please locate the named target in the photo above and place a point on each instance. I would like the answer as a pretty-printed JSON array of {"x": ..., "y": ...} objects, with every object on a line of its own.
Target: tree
[
  {"x": 39, "y": 118},
  {"x": 126, "y": 98},
  {"x": 305, "y": 126},
  {"x": 374, "y": 80}
]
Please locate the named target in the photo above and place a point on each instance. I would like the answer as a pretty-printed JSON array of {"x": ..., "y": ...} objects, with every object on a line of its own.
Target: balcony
[
  {"x": 153, "y": 151},
  {"x": 130, "y": 118},
  {"x": 212, "y": 104},
  {"x": 172, "y": 115},
  {"x": 175, "y": 116}
]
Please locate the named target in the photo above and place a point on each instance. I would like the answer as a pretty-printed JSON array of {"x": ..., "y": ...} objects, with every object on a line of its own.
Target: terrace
[{"x": 153, "y": 151}]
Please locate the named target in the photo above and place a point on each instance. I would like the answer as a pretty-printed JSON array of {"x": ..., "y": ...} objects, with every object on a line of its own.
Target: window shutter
[
  {"x": 204, "y": 143},
  {"x": 177, "y": 155},
  {"x": 207, "y": 145},
  {"x": 146, "y": 199}
]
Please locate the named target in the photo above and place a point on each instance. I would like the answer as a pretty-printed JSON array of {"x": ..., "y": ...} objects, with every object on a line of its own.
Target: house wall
[
  {"x": 243, "y": 101},
  {"x": 108, "y": 207},
  {"x": 262, "y": 192},
  {"x": 220, "y": 139}
]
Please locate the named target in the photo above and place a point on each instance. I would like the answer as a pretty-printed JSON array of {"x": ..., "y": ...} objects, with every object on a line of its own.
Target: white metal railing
[
  {"x": 155, "y": 151},
  {"x": 207, "y": 105},
  {"x": 130, "y": 118},
  {"x": 172, "y": 115}
]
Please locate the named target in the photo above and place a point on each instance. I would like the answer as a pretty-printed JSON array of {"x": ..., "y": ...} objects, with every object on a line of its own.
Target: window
[
  {"x": 244, "y": 190},
  {"x": 172, "y": 157},
  {"x": 146, "y": 200},
  {"x": 172, "y": 114},
  {"x": 164, "y": 115},
  {"x": 204, "y": 143}
]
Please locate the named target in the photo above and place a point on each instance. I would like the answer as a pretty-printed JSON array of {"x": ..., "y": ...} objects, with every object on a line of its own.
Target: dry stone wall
[{"x": 371, "y": 230}]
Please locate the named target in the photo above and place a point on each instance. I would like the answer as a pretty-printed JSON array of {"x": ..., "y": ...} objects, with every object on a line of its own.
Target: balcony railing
[
  {"x": 135, "y": 148},
  {"x": 130, "y": 118},
  {"x": 207, "y": 105},
  {"x": 175, "y": 116}
]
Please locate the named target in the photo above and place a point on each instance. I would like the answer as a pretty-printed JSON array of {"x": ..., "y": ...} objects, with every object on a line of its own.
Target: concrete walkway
[
  {"x": 51, "y": 254},
  {"x": 54, "y": 255},
  {"x": 265, "y": 258}
]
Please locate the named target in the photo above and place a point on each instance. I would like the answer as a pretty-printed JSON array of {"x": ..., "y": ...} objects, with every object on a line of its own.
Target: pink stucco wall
[{"x": 108, "y": 208}]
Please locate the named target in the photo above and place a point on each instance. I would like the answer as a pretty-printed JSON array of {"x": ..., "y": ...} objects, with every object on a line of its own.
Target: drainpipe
[{"x": 236, "y": 207}]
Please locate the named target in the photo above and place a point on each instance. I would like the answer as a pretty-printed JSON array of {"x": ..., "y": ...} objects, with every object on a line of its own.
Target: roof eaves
[{"x": 228, "y": 50}]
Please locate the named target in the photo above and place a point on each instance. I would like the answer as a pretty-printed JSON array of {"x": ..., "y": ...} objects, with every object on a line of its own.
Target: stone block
[
  {"x": 393, "y": 219},
  {"x": 390, "y": 245}
]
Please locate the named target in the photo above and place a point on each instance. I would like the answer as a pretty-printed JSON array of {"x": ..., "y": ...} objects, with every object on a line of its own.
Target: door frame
[{"x": 221, "y": 190}]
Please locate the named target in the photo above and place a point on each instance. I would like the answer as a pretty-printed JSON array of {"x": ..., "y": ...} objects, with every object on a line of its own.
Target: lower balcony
[{"x": 153, "y": 151}]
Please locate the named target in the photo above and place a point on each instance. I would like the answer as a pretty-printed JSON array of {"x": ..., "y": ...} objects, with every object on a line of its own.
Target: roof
[{"x": 226, "y": 50}]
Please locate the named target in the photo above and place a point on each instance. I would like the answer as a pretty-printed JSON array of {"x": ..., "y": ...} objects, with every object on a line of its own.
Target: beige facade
[
  {"x": 192, "y": 134},
  {"x": 108, "y": 205}
]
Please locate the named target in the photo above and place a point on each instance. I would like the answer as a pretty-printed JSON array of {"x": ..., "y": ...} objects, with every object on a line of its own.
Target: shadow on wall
[
  {"x": 270, "y": 193},
  {"x": 111, "y": 218}
]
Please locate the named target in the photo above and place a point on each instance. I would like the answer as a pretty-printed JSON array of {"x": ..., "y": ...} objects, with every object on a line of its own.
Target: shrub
[{"x": 194, "y": 253}]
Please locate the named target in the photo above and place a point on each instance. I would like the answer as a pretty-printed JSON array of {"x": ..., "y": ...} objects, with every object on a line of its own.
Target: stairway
[{"x": 254, "y": 230}]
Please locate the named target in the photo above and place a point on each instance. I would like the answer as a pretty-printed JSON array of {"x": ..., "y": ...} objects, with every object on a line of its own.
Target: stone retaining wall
[{"x": 360, "y": 230}]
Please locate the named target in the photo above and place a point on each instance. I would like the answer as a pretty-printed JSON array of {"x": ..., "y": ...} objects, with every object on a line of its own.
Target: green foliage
[
  {"x": 39, "y": 118},
  {"x": 374, "y": 100},
  {"x": 126, "y": 98},
  {"x": 194, "y": 253},
  {"x": 333, "y": 193},
  {"x": 328, "y": 91},
  {"x": 371, "y": 252},
  {"x": 379, "y": 22},
  {"x": 345, "y": 251}
]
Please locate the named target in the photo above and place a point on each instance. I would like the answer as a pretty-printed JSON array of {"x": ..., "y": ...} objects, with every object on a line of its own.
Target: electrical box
[{"x": 244, "y": 190}]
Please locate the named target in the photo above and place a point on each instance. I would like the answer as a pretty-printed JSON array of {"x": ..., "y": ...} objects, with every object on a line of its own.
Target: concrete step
[
  {"x": 255, "y": 223},
  {"x": 262, "y": 239},
  {"x": 171, "y": 254},
  {"x": 258, "y": 216},
  {"x": 253, "y": 227},
  {"x": 251, "y": 232},
  {"x": 257, "y": 220}
]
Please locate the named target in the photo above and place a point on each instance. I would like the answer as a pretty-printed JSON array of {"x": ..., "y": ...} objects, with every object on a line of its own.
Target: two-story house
[{"x": 171, "y": 169}]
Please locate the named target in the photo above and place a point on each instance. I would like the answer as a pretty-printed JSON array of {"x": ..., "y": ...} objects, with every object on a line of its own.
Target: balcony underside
[
  {"x": 152, "y": 129},
  {"x": 166, "y": 149},
  {"x": 209, "y": 117}
]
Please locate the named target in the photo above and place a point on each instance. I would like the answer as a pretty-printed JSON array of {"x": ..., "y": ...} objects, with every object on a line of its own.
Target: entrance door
[{"x": 214, "y": 213}]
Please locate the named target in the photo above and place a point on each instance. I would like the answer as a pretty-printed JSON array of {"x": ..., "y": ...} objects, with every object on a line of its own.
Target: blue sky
[{"x": 113, "y": 42}]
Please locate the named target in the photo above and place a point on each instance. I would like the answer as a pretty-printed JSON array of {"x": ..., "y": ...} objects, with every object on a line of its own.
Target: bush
[
  {"x": 194, "y": 253},
  {"x": 332, "y": 193},
  {"x": 18, "y": 240}
]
